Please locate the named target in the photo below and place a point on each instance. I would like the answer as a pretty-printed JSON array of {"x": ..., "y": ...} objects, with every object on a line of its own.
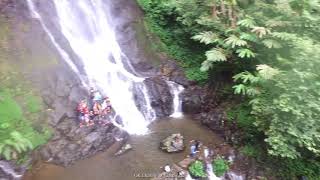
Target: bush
[
  {"x": 175, "y": 37},
  {"x": 250, "y": 151},
  {"x": 197, "y": 169},
  {"x": 220, "y": 166},
  {"x": 17, "y": 135}
]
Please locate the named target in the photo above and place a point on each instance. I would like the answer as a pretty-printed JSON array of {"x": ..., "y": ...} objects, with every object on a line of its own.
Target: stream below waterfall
[{"x": 146, "y": 157}]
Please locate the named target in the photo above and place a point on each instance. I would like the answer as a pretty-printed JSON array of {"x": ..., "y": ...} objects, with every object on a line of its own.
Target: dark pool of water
[{"x": 146, "y": 157}]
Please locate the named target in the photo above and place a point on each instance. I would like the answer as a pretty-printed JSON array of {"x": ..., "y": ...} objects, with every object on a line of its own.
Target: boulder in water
[{"x": 173, "y": 143}]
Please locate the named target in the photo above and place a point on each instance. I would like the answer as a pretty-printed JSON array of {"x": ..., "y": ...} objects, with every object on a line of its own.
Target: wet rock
[
  {"x": 192, "y": 99},
  {"x": 215, "y": 119},
  {"x": 174, "y": 72},
  {"x": 125, "y": 148},
  {"x": 77, "y": 143},
  {"x": 160, "y": 96},
  {"x": 10, "y": 171},
  {"x": 173, "y": 143}
]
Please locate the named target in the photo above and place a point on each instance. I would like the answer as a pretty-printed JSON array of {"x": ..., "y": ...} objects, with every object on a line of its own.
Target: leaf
[
  {"x": 270, "y": 43},
  {"x": 15, "y": 145},
  {"x": 242, "y": 53},
  {"x": 206, "y": 37},
  {"x": 216, "y": 55},
  {"x": 266, "y": 71},
  {"x": 2, "y": 147},
  {"x": 246, "y": 77},
  {"x": 260, "y": 31},
  {"x": 277, "y": 23},
  {"x": 248, "y": 22},
  {"x": 234, "y": 41},
  {"x": 7, "y": 153},
  {"x": 283, "y": 36},
  {"x": 205, "y": 66},
  {"x": 249, "y": 37},
  {"x": 239, "y": 89}
]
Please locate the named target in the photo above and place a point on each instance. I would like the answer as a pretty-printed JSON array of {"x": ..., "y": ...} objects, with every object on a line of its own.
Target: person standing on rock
[
  {"x": 197, "y": 144},
  {"x": 192, "y": 150}
]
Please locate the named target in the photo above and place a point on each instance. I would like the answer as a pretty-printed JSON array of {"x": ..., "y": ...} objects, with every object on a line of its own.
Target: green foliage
[
  {"x": 197, "y": 169},
  {"x": 16, "y": 133},
  {"x": 161, "y": 19},
  {"x": 250, "y": 151},
  {"x": 273, "y": 48},
  {"x": 220, "y": 166},
  {"x": 245, "y": 53},
  {"x": 33, "y": 104},
  {"x": 287, "y": 106},
  {"x": 287, "y": 168}
]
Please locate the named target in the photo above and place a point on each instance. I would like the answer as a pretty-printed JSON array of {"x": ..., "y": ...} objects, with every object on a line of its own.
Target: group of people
[{"x": 95, "y": 110}]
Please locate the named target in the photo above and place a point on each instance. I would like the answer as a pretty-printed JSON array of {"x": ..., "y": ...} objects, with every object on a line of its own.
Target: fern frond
[
  {"x": 239, "y": 89},
  {"x": 266, "y": 71},
  {"x": 206, "y": 37},
  {"x": 16, "y": 135},
  {"x": 28, "y": 144},
  {"x": 7, "y": 153},
  {"x": 205, "y": 66},
  {"x": 270, "y": 43},
  {"x": 2, "y": 147},
  {"x": 242, "y": 53},
  {"x": 277, "y": 23},
  {"x": 234, "y": 41},
  {"x": 260, "y": 31},
  {"x": 252, "y": 91},
  {"x": 246, "y": 77},
  {"x": 12, "y": 143},
  {"x": 248, "y": 22},
  {"x": 283, "y": 36},
  {"x": 216, "y": 55},
  {"x": 249, "y": 37}
]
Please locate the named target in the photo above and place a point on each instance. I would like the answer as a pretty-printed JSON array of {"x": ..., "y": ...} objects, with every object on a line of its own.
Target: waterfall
[
  {"x": 234, "y": 176},
  {"x": 87, "y": 27},
  {"x": 211, "y": 175},
  {"x": 176, "y": 89}
]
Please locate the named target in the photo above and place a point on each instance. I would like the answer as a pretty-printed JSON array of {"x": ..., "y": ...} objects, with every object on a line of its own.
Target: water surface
[{"x": 146, "y": 157}]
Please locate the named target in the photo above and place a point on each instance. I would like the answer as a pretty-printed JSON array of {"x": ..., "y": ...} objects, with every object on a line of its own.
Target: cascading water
[
  {"x": 86, "y": 26},
  {"x": 176, "y": 89}
]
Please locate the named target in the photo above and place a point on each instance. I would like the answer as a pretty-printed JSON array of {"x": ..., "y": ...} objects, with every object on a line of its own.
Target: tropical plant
[
  {"x": 15, "y": 144},
  {"x": 285, "y": 101},
  {"x": 220, "y": 166},
  {"x": 197, "y": 169}
]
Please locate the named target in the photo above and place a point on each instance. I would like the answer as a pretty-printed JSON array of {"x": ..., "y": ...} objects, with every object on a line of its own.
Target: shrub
[
  {"x": 197, "y": 169},
  {"x": 220, "y": 166},
  {"x": 17, "y": 135},
  {"x": 250, "y": 151}
]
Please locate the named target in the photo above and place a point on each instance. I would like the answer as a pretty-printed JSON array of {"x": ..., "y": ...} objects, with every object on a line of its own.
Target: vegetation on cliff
[
  {"x": 271, "y": 48},
  {"x": 22, "y": 128}
]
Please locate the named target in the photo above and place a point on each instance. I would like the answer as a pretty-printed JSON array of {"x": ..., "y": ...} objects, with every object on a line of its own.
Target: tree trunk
[
  {"x": 214, "y": 11},
  {"x": 234, "y": 18},
  {"x": 223, "y": 8},
  {"x": 230, "y": 14}
]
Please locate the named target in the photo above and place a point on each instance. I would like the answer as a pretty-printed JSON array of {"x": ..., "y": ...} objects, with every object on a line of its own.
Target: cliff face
[{"x": 33, "y": 57}]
